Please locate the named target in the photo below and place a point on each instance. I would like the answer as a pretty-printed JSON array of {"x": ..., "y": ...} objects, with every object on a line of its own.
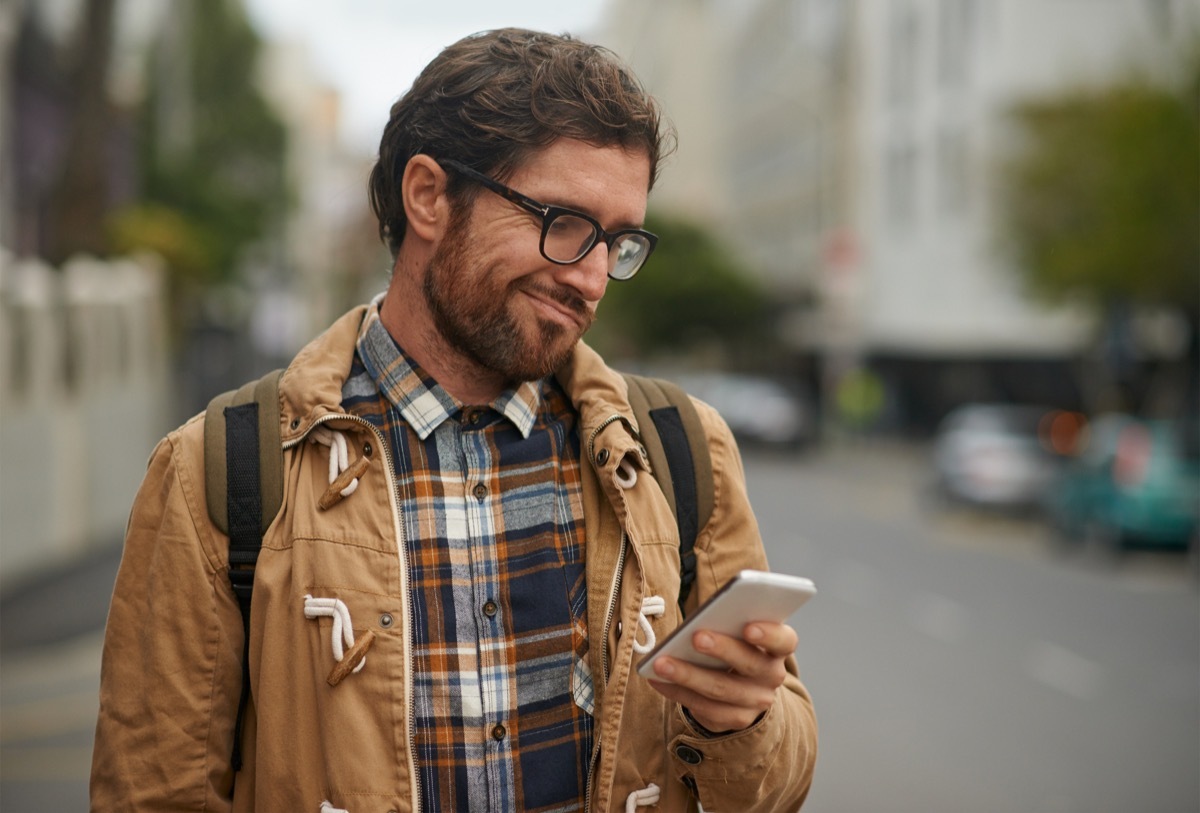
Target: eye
[{"x": 562, "y": 226}]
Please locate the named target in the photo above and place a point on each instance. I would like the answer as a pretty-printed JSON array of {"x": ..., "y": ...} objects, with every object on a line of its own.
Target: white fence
[{"x": 83, "y": 400}]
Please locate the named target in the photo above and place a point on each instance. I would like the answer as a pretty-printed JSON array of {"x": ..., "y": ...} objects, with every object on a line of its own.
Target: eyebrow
[{"x": 574, "y": 207}]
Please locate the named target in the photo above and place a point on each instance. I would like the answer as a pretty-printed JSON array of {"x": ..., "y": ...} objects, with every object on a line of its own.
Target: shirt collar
[{"x": 421, "y": 400}]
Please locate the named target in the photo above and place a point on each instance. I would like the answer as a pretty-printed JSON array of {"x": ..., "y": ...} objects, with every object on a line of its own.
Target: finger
[
  {"x": 775, "y": 639},
  {"x": 714, "y": 715},
  {"x": 741, "y": 657},
  {"x": 715, "y": 685}
]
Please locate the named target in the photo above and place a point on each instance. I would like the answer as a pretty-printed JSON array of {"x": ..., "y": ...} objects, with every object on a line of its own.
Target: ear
[{"x": 423, "y": 190}]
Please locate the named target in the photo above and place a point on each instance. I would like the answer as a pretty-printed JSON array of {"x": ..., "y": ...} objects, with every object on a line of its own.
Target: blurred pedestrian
[{"x": 447, "y": 605}]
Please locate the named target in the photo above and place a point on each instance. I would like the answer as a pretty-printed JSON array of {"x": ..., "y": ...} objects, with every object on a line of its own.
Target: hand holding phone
[{"x": 751, "y": 595}]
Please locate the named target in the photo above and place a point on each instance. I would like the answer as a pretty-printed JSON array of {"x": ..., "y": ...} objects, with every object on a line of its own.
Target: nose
[{"x": 588, "y": 275}]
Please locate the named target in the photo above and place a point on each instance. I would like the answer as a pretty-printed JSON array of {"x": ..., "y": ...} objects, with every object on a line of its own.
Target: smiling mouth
[{"x": 563, "y": 307}]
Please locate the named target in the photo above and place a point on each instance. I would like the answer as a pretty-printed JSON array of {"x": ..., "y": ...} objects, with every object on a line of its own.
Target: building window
[
  {"x": 901, "y": 184},
  {"x": 903, "y": 52},
  {"x": 953, "y": 171},
  {"x": 956, "y": 40}
]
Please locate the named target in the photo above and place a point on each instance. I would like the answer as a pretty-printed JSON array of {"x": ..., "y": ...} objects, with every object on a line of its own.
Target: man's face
[{"x": 495, "y": 298}]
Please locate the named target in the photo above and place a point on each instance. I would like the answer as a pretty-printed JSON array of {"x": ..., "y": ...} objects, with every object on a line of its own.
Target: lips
[{"x": 561, "y": 306}]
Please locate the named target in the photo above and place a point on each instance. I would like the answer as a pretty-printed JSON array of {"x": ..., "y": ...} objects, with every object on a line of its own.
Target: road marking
[
  {"x": 940, "y": 618},
  {"x": 1062, "y": 669}
]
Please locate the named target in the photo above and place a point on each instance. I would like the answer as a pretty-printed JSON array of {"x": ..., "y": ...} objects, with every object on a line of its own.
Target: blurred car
[
  {"x": 1136, "y": 483},
  {"x": 1002, "y": 456},
  {"x": 759, "y": 411}
]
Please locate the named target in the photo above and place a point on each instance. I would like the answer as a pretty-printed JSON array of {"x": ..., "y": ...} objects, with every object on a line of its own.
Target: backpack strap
[
  {"x": 263, "y": 396},
  {"x": 243, "y": 472},
  {"x": 678, "y": 450}
]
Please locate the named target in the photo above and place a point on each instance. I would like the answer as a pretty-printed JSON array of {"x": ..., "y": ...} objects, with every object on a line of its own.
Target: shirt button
[
  {"x": 480, "y": 492},
  {"x": 498, "y": 732},
  {"x": 602, "y": 456},
  {"x": 489, "y": 608},
  {"x": 385, "y": 620},
  {"x": 688, "y": 754}
]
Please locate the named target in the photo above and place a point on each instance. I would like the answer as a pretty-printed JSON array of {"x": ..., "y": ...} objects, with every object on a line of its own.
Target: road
[{"x": 957, "y": 664}]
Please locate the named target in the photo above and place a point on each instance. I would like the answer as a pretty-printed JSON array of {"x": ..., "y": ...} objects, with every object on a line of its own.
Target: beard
[{"x": 474, "y": 311}]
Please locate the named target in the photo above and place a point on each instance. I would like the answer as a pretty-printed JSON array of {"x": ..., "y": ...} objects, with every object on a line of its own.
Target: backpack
[{"x": 243, "y": 471}]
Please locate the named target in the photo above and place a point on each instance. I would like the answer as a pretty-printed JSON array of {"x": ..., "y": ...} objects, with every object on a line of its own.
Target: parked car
[
  {"x": 1002, "y": 456},
  {"x": 759, "y": 411},
  {"x": 1136, "y": 483}
]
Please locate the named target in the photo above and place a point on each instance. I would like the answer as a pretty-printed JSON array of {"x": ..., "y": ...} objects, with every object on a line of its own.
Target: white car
[
  {"x": 758, "y": 410},
  {"x": 997, "y": 455}
]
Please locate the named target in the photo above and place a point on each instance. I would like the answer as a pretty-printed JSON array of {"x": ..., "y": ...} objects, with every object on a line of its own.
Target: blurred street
[
  {"x": 957, "y": 663},
  {"x": 969, "y": 223}
]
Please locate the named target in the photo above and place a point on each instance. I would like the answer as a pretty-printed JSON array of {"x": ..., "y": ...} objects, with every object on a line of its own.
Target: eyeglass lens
[
  {"x": 630, "y": 252},
  {"x": 568, "y": 238}
]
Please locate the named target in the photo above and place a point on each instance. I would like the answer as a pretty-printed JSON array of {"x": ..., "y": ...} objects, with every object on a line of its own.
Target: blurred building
[
  {"x": 83, "y": 400},
  {"x": 83, "y": 342},
  {"x": 846, "y": 149},
  {"x": 330, "y": 257}
]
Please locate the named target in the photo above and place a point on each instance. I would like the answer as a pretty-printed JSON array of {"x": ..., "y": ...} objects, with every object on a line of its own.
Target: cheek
[
  {"x": 518, "y": 248},
  {"x": 497, "y": 259}
]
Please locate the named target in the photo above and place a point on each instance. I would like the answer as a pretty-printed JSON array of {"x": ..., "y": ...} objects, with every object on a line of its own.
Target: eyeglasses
[{"x": 567, "y": 235}]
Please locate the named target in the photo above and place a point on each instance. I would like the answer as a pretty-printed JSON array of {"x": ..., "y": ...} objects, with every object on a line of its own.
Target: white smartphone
[{"x": 751, "y": 595}]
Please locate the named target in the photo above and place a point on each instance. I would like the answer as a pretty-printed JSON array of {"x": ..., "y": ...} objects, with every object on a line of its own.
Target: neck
[{"x": 407, "y": 318}]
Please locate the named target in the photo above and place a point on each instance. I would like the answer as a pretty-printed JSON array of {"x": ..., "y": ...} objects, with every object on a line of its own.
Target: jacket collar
[
  {"x": 599, "y": 394},
  {"x": 311, "y": 387}
]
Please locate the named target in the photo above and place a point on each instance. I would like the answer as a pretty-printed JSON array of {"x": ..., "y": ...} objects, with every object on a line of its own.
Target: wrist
[{"x": 707, "y": 733}]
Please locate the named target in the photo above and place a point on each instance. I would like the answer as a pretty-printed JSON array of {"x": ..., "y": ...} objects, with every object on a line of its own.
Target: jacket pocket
[{"x": 345, "y": 682}]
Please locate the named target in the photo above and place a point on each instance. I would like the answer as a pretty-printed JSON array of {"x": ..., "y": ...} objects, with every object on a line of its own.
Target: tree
[
  {"x": 79, "y": 201},
  {"x": 1100, "y": 195},
  {"x": 690, "y": 294},
  {"x": 212, "y": 150}
]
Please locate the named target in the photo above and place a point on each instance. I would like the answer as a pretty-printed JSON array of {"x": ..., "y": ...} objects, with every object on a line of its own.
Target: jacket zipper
[
  {"x": 399, "y": 531},
  {"x": 608, "y": 617},
  {"x": 591, "y": 444}
]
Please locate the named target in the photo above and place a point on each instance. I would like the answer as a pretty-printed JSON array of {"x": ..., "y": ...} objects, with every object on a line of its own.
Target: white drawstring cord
[
  {"x": 651, "y": 605},
  {"x": 343, "y": 631},
  {"x": 626, "y": 475},
  {"x": 339, "y": 455},
  {"x": 648, "y": 795},
  {"x": 328, "y": 808}
]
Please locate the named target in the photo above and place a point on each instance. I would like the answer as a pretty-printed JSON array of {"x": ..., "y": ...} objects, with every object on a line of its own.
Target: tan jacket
[{"x": 171, "y": 674}]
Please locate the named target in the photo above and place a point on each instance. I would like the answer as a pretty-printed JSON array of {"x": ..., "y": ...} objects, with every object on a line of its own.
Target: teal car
[{"x": 1135, "y": 483}]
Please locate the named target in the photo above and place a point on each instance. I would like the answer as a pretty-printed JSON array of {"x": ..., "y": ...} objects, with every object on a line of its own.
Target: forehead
[{"x": 609, "y": 183}]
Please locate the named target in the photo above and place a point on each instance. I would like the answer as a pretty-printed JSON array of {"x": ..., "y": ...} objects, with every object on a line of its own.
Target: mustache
[{"x": 563, "y": 296}]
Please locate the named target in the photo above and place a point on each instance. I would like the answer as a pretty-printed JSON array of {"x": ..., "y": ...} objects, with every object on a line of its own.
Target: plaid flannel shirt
[{"x": 492, "y": 517}]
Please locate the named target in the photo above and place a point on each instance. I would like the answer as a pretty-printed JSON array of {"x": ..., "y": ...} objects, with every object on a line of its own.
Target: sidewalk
[
  {"x": 60, "y": 604},
  {"x": 51, "y": 632}
]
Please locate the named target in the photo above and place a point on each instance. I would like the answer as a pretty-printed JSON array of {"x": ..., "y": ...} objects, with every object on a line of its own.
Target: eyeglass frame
[{"x": 550, "y": 213}]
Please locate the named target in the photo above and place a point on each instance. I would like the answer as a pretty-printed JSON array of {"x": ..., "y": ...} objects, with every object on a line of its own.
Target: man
[{"x": 448, "y": 606}]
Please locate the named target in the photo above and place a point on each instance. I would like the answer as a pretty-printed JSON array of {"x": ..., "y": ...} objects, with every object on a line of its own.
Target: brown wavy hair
[{"x": 492, "y": 99}]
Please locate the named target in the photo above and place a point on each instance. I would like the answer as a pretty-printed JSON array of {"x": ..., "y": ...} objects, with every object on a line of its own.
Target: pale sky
[{"x": 371, "y": 50}]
